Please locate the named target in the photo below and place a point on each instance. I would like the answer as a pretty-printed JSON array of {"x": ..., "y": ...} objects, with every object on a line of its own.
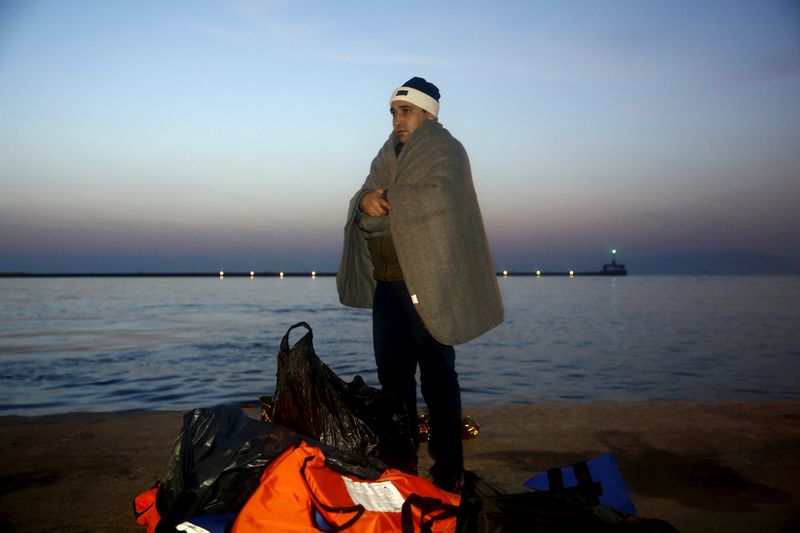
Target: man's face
[{"x": 406, "y": 117}]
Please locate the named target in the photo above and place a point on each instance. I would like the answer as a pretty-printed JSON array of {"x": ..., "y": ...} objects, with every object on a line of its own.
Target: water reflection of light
[
  {"x": 221, "y": 273},
  {"x": 280, "y": 275},
  {"x": 505, "y": 272},
  {"x": 252, "y": 274},
  {"x": 571, "y": 273},
  {"x": 313, "y": 273}
]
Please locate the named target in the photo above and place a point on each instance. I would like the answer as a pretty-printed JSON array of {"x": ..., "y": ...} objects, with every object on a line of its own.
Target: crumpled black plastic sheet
[{"x": 217, "y": 462}]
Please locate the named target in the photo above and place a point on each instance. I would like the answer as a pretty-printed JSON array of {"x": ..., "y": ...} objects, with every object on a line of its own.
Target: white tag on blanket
[
  {"x": 381, "y": 497},
  {"x": 414, "y": 299}
]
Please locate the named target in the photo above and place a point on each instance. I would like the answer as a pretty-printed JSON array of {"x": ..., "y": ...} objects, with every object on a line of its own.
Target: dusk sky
[{"x": 206, "y": 135}]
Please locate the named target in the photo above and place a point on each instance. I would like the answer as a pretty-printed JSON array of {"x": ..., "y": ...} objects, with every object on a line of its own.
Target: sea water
[{"x": 113, "y": 344}]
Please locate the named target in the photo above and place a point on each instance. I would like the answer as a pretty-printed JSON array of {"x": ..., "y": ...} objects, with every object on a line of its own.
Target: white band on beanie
[{"x": 416, "y": 97}]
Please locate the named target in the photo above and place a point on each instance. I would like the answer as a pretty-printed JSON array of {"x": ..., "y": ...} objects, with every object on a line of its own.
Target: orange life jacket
[{"x": 299, "y": 493}]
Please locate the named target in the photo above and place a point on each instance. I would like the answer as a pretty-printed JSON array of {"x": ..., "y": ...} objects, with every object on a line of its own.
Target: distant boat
[{"x": 613, "y": 269}]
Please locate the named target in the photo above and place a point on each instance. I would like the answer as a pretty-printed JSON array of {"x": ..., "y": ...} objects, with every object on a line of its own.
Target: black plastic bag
[
  {"x": 312, "y": 400},
  {"x": 217, "y": 463}
]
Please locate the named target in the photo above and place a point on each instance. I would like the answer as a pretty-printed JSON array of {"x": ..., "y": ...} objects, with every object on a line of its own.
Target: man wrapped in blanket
[{"x": 415, "y": 251}]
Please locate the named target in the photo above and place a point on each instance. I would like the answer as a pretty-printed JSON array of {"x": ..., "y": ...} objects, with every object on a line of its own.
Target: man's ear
[{"x": 429, "y": 116}]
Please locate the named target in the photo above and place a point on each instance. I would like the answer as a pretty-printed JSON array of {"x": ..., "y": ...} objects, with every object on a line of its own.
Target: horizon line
[{"x": 254, "y": 274}]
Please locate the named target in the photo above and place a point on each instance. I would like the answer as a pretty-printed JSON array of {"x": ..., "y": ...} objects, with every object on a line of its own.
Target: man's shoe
[{"x": 450, "y": 483}]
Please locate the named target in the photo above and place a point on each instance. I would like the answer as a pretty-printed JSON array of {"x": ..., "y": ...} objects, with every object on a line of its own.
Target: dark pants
[{"x": 401, "y": 343}]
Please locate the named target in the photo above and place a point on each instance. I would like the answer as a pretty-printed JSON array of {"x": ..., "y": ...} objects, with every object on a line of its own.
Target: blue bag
[
  {"x": 210, "y": 523},
  {"x": 598, "y": 480}
]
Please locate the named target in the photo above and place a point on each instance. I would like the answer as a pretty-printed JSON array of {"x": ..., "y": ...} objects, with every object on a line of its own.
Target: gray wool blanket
[{"x": 438, "y": 234}]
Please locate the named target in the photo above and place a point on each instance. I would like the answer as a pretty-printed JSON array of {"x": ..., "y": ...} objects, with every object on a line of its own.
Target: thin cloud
[{"x": 388, "y": 58}]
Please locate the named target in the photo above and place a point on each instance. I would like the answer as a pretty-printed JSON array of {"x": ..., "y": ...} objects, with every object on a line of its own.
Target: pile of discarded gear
[{"x": 320, "y": 459}]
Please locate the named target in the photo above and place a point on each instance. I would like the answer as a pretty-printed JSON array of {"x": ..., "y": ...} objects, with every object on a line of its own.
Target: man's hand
[{"x": 375, "y": 204}]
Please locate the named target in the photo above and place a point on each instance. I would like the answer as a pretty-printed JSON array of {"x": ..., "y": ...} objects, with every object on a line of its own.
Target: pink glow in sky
[{"x": 231, "y": 134}]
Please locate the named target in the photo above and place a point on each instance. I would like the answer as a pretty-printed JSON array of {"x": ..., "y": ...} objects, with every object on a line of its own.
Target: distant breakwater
[{"x": 224, "y": 274}]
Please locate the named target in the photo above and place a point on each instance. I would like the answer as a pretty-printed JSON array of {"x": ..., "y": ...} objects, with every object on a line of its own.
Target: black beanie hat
[{"x": 419, "y": 92}]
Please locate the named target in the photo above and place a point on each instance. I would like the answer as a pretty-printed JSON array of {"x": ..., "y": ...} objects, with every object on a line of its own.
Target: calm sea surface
[{"x": 112, "y": 344}]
